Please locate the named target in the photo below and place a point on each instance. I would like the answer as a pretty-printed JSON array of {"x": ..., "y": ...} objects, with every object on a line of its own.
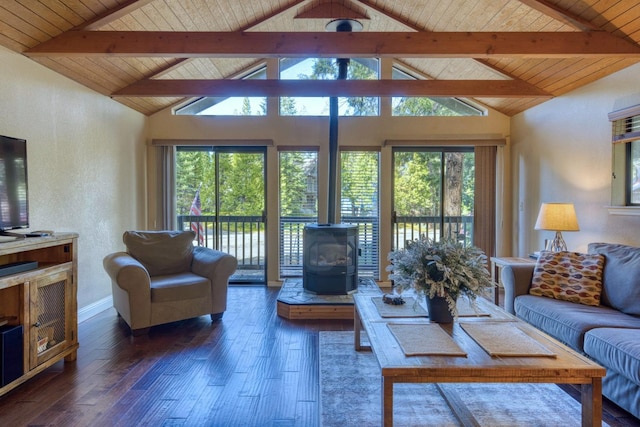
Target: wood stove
[
  {"x": 330, "y": 251},
  {"x": 330, "y": 265}
]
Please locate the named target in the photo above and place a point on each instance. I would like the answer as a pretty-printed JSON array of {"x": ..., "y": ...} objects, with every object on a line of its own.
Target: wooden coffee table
[{"x": 568, "y": 367}]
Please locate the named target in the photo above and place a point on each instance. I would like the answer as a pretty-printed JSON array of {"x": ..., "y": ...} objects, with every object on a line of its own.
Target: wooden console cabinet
[{"x": 42, "y": 300}]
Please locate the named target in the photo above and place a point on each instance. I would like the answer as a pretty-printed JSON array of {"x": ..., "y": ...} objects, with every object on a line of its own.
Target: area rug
[{"x": 350, "y": 390}]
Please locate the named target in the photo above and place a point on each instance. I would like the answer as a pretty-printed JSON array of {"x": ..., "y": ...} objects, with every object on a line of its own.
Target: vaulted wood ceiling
[{"x": 149, "y": 54}]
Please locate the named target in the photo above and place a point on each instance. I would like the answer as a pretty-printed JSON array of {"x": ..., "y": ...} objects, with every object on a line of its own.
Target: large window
[{"x": 327, "y": 69}]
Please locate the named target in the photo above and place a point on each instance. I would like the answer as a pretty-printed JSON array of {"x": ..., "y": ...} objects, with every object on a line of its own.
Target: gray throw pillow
[
  {"x": 161, "y": 252},
  {"x": 621, "y": 276}
]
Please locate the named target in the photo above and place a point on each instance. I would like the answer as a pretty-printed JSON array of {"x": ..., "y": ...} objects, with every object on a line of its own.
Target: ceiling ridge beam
[
  {"x": 183, "y": 44},
  {"x": 313, "y": 88}
]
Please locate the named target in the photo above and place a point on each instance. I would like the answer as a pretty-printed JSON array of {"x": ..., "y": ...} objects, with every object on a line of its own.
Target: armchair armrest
[
  {"x": 217, "y": 266},
  {"x": 131, "y": 287},
  {"x": 516, "y": 279}
]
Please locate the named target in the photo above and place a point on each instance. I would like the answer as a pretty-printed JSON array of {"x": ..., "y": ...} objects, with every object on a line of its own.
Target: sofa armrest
[
  {"x": 217, "y": 266},
  {"x": 516, "y": 279},
  {"x": 131, "y": 288}
]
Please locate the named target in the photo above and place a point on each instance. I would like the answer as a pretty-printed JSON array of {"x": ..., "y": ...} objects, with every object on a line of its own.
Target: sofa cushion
[
  {"x": 621, "y": 276},
  {"x": 568, "y": 321},
  {"x": 178, "y": 287},
  {"x": 568, "y": 276},
  {"x": 617, "y": 349},
  {"x": 161, "y": 252}
]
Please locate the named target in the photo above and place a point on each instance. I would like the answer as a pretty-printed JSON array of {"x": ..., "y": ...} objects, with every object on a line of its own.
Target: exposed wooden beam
[
  {"x": 560, "y": 14},
  {"x": 365, "y": 44},
  {"x": 306, "y": 88}
]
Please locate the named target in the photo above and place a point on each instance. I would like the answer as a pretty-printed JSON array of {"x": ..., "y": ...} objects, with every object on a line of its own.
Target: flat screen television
[{"x": 14, "y": 203}]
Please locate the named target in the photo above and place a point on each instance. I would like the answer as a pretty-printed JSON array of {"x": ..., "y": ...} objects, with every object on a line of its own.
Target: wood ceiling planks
[{"x": 25, "y": 24}]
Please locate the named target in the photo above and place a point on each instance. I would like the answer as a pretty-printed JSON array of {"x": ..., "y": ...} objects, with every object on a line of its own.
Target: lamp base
[{"x": 557, "y": 244}]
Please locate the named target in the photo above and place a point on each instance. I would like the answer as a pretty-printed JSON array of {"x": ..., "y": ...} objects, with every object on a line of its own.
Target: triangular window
[
  {"x": 229, "y": 106},
  {"x": 415, "y": 106}
]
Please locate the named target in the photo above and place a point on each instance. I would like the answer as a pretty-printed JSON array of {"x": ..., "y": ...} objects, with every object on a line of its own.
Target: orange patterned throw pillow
[{"x": 568, "y": 276}]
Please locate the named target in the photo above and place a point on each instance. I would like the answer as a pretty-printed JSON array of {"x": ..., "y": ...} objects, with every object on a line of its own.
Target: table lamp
[{"x": 557, "y": 217}]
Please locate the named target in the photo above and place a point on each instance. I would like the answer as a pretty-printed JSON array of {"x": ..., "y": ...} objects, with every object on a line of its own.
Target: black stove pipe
[{"x": 343, "y": 66}]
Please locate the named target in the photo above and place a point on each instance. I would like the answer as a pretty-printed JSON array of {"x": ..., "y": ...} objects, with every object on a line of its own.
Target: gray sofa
[{"x": 608, "y": 333}]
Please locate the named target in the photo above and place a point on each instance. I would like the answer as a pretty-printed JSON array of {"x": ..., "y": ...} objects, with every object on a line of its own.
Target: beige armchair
[{"x": 163, "y": 278}]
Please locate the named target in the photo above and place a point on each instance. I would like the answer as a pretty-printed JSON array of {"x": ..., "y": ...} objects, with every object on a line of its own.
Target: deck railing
[
  {"x": 407, "y": 228},
  {"x": 238, "y": 235},
  {"x": 244, "y": 237}
]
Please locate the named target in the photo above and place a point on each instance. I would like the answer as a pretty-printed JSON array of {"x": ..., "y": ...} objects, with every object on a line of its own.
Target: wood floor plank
[{"x": 252, "y": 368}]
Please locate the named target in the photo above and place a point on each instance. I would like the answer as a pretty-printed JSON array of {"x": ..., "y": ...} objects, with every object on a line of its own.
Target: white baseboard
[{"x": 91, "y": 310}]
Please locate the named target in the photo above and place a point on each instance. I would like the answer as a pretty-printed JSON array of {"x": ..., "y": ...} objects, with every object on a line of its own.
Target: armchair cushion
[
  {"x": 177, "y": 287},
  {"x": 161, "y": 252},
  {"x": 569, "y": 276}
]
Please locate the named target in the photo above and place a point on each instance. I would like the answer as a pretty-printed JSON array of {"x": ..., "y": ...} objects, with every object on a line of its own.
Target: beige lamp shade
[{"x": 557, "y": 217}]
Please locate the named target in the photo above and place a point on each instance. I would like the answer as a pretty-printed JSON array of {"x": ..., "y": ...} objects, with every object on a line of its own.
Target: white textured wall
[
  {"x": 561, "y": 152},
  {"x": 86, "y": 162}
]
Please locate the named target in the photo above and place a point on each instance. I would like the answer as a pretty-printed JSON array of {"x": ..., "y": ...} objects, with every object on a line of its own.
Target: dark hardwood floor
[{"x": 253, "y": 368}]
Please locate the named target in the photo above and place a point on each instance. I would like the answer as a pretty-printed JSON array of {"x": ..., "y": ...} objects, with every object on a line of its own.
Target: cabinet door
[{"x": 51, "y": 318}]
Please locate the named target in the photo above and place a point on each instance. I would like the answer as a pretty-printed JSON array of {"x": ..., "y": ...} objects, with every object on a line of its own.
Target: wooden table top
[{"x": 478, "y": 366}]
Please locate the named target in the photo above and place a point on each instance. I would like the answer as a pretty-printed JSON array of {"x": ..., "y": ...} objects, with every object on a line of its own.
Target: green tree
[
  {"x": 327, "y": 69},
  {"x": 288, "y": 106},
  {"x": 246, "y": 107},
  {"x": 417, "y": 183},
  {"x": 296, "y": 168},
  {"x": 359, "y": 183},
  {"x": 241, "y": 184},
  {"x": 421, "y": 106},
  {"x": 191, "y": 167}
]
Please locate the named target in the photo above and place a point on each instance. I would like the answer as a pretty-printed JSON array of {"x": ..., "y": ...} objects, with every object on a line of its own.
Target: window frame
[{"x": 625, "y": 125}]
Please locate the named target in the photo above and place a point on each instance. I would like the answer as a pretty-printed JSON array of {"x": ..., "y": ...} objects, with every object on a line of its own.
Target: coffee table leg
[
  {"x": 387, "y": 402},
  {"x": 591, "y": 397},
  {"x": 357, "y": 324},
  {"x": 357, "y": 329}
]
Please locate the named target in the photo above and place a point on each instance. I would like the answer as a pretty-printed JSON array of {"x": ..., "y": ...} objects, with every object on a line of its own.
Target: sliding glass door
[
  {"x": 220, "y": 194},
  {"x": 433, "y": 194}
]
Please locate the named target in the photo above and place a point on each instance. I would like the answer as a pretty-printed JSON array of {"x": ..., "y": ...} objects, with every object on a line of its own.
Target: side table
[{"x": 497, "y": 263}]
